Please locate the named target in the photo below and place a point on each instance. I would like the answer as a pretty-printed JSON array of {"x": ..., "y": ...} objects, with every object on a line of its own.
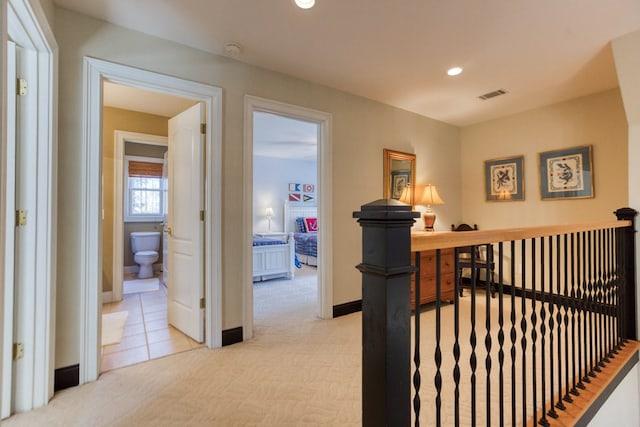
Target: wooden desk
[{"x": 428, "y": 276}]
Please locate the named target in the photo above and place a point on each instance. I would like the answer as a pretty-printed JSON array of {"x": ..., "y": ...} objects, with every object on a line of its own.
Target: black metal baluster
[
  {"x": 416, "y": 351},
  {"x": 543, "y": 330},
  {"x": 473, "y": 362},
  {"x": 487, "y": 338},
  {"x": 560, "y": 403},
  {"x": 574, "y": 364},
  {"x": 501, "y": 329},
  {"x": 552, "y": 409},
  {"x": 610, "y": 292},
  {"x": 456, "y": 333},
  {"x": 523, "y": 328},
  {"x": 579, "y": 282},
  {"x": 620, "y": 286},
  {"x": 438, "y": 354},
  {"x": 602, "y": 352},
  {"x": 513, "y": 333},
  {"x": 534, "y": 332},
  {"x": 584, "y": 306},
  {"x": 592, "y": 346},
  {"x": 567, "y": 396}
]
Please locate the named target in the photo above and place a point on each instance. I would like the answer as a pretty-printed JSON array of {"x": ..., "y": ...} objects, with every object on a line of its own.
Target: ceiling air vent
[{"x": 492, "y": 94}]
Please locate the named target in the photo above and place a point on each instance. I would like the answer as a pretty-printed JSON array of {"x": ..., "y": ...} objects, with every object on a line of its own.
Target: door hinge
[
  {"x": 203, "y": 128},
  {"x": 21, "y": 218},
  {"x": 18, "y": 350},
  {"x": 21, "y": 87},
  {"x": 201, "y": 215},
  {"x": 202, "y": 304}
]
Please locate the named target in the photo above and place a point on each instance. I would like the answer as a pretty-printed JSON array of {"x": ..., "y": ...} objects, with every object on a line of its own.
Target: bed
[
  {"x": 306, "y": 240},
  {"x": 273, "y": 256}
]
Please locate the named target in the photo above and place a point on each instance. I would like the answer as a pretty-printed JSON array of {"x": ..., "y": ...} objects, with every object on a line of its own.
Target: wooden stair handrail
[{"x": 428, "y": 240}]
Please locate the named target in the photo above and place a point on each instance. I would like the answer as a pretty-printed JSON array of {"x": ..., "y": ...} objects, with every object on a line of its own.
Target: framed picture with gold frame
[
  {"x": 566, "y": 173},
  {"x": 399, "y": 171},
  {"x": 504, "y": 179}
]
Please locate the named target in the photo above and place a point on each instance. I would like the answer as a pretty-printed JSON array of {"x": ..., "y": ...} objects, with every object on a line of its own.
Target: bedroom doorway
[
  {"x": 285, "y": 220},
  {"x": 287, "y": 177}
]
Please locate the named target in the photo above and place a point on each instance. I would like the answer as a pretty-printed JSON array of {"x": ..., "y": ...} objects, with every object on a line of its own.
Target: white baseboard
[{"x": 107, "y": 297}]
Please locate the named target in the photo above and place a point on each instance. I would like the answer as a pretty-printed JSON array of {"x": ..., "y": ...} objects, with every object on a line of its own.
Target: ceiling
[{"x": 397, "y": 52}]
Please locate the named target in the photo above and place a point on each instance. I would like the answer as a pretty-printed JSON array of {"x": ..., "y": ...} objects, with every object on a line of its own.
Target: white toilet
[{"x": 145, "y": 246}]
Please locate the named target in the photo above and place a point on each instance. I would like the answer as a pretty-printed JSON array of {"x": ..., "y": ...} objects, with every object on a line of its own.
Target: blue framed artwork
[
  {"x": 566, "y": 173},
  {"x": 399, "y": 180},
  {"x": 503, "y": 179}
]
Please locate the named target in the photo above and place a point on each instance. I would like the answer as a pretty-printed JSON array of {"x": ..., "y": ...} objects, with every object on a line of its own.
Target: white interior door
[
  {"x": 185, "y": 228},
  {"x": 25, "y": 235},
  {"x": 9, "y": 165}
]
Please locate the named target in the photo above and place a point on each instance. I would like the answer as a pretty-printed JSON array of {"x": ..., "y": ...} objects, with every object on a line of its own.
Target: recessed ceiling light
[
  {"x": 305, "y": 4},
  {"x": 454, "y": 71}
]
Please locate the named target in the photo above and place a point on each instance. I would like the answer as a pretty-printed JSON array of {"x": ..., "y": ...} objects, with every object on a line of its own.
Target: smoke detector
[{"x": 232, "y": 49}]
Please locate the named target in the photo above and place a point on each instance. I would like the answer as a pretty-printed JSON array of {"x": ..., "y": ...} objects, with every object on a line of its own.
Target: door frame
[
  {"x": 26, "y": 23},
  {"x": 254, "y": 104},
  {"x": 95, "y": 72},
  {"x": 121, "y": 137}
]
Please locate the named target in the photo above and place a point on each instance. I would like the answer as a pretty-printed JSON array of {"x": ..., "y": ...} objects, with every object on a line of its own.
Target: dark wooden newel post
[
  {"x": 628, "y": 261},
  {"x": 386, "y": 312}
]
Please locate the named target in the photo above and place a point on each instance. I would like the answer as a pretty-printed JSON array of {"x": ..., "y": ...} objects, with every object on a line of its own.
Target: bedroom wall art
[
  {"x": 503, "y": 179},
  {"x": 302, "y": 192},
  {"x": 566, "y": 173}
]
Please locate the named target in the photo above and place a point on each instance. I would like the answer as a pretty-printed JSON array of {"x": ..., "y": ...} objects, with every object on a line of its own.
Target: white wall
[
  {"x": 271, "y": 178},
  {"x": 361, "y": 129},
  {"x": 622, "y": 406}
]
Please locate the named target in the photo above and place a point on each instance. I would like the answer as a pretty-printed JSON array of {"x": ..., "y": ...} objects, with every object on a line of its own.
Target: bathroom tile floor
[{"x": 147, "y": 334}]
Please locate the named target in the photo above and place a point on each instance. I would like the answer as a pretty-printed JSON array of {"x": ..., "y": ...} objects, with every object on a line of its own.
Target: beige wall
[
  {"x": 131, "y": 121},
  {"x": 361, "y": 129},
  {"x": 596, "y": 120}
]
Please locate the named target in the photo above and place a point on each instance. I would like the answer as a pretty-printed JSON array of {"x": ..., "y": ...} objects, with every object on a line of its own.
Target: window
[{"x": 145, "y": 186}]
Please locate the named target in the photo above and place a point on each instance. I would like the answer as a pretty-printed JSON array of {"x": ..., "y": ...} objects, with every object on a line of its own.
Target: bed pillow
[
  {"x": 300, "y": 227},
  {"x": 311, "y": 225}
]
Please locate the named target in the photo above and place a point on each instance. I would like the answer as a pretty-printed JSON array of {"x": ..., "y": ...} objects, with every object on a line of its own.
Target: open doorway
[
  {"x": 207, "y": 303},
  {"x": 139, "y": 321},
  {"x": 285, "y": 219},
  {"x": 320, "y": 123}
]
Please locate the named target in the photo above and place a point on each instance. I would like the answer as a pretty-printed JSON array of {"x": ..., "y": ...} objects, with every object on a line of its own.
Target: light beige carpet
[
  {"x": 297, "y": 371},
  {"x": 113, "y": 327}
]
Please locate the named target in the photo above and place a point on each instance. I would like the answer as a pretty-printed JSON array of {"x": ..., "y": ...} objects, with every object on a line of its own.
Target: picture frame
[
  {"x": 566, "y": 173},
  {"x": 398, "y": 168},
  {"x": 399, "y": 180},
  {"x": 504, "y": 180}
]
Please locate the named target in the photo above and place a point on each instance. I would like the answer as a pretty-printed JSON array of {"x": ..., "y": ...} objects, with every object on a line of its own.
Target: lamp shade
[
  {"x": 405, "y": 196},
  {"x": 269, "y": 212},
  {"x": 428, "y": 195}
]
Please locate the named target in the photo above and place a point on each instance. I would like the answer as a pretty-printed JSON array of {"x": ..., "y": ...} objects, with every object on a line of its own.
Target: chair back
[{"x": 466, "y": 249}]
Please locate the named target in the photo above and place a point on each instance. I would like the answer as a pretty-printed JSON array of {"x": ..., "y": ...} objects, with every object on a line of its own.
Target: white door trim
[
  {"x": 325, "y": 264},
  {"x": 95, "y": 72},
  {"x": 120, "y": 137},
  {"x": 25, "y": 23}
]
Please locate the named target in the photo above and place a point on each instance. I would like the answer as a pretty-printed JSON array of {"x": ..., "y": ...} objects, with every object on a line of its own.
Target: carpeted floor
[{"x": 297, "y": 371}]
